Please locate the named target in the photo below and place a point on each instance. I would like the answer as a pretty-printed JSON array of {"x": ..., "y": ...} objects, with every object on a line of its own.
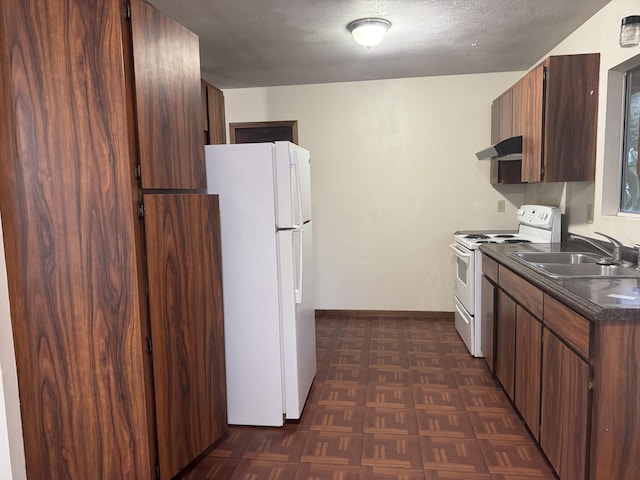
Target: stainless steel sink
[
  {"x": 585, "y": 270},
  {"x": 573, "y": 264},
  {"x": 564, "y": 258}
]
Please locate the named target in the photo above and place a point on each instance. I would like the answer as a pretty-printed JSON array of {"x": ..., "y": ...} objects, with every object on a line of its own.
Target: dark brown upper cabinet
[
  {"x": 504, "y": 124},
  {"x": 214, "y": 123},
  {"x": 166, "y": 75},
  {"x": 555, "y": 109}
]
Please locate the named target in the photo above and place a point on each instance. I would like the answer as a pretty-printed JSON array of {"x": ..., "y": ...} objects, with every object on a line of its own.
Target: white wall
[
  {"x": 393, "y": 176},
  {"x": 598, "y": 34},
  {"x": 12, "y": 464}
]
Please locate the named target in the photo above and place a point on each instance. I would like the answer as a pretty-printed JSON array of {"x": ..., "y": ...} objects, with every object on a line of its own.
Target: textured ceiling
[{"x": 250, "y": 43}]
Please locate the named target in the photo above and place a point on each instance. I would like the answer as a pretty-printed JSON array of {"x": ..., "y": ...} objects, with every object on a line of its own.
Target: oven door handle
[
  {"x": 463, "y": 312},
  {"x": 460, "y": 253}
]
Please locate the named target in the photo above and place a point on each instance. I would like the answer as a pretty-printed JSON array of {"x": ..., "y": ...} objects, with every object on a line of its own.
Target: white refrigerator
[{"x": 267, "y": 273}]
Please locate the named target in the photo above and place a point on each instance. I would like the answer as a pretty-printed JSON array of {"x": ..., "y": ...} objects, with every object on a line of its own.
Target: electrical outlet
[{"x": 501, "y": 205}]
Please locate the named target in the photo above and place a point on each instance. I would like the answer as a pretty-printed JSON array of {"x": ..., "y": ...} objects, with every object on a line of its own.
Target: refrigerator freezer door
[
  {"x": 293, "y": 185},
  {"x": 297, "y": 317}
]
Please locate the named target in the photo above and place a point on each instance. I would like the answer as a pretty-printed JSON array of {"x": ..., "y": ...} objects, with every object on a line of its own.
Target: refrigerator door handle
[
  {"x": 298, "y": 289},
  {"x": 296, "y": 170}
]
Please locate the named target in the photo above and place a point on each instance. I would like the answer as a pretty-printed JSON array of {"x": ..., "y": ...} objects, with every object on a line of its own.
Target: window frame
[
  {"x": 614, "y": 139},
  {"x": 625, "y": 181}
]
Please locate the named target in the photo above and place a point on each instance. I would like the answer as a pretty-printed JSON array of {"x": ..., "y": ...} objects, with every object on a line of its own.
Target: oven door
[{"x": 464, "y": 276}]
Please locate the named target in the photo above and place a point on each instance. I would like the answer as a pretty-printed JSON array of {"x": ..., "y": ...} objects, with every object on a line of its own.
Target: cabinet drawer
[
  {"x": 522, "y": 291},
  {"x": 490, "y": 268},
  {"x": 570, "y": 326}
]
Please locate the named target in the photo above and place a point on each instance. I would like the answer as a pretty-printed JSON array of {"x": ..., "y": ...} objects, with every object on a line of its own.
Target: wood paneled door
[
  {"x": 185, "y": 298},
  {"x": 487, "y": 318},
  {"x": 505, "y": 342},
  {"x": 527, "y": 373},
  {"x": 565, "y": 409},
  {"x": 166, "y": 63},
  {"x": 65, "y": 190}
]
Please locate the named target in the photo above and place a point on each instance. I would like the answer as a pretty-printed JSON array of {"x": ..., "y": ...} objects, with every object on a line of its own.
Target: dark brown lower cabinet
[
  {"x": 527, "y": 375},
  {"x": 572, "y": 378},
  {"x": 505, "y": 342},
  {"x": 487, "y": 317},
  {"x": 564, "y": 408}
]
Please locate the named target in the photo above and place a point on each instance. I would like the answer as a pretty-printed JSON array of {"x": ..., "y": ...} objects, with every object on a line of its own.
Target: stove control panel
[{"x": 541, "y": 216}]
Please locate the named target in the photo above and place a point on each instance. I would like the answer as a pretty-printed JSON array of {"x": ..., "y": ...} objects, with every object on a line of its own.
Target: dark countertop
[{"x": 598, "y": 299}]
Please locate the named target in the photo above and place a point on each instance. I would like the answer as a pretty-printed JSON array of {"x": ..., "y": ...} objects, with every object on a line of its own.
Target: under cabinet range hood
[{"x": 509, "y": 149}]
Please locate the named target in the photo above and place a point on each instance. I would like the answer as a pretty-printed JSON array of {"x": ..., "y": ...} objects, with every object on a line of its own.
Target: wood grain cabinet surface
[
  {"x": 528, "y": 351},
  {"x": 565, "y": 410},
  {"x": 215, "y": 127},
  {"x": 487, "y": 319},
  {"x": 504, "y": 124},
  {"x": 166, "y": 76},
  {"x": 547, "y": 381},
  {"x": 519, "y": 343},
  {"x": 184, "y": 265},
  {"x": 117, "y": 320},
  {"x": 488, "y": 310},
  {"x": 555, "y": 110},
  {"x": 505, "y": 342}
]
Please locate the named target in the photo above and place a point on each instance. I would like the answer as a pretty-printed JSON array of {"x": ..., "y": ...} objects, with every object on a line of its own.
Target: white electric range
[{"x": 536, "y": 224}]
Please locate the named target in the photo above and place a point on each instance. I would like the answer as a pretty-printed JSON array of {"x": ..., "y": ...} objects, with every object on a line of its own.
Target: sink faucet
[{"x": 615, "y": 256}]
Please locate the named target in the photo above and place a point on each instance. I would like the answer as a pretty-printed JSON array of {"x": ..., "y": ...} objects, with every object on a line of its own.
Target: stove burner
[
  {"x": 504, "y": 235},
  {"x": 476, "y": 235},
  {"x": 486, "y": 241},
  {"x": 516, "y": 240}
]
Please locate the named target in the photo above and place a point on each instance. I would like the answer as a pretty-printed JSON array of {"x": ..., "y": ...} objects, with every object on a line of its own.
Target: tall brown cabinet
[{"x": 112, "y": 246}]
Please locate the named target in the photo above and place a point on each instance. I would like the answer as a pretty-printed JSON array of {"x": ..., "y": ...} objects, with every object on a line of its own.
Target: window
[
  {"x": 253, "y": 132},
  {"x": 630, "y": 191}
]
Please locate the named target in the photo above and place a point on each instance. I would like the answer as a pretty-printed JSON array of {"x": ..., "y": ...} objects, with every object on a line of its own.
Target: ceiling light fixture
[
  {"x": 369, "y": 31},
  {"x": 630, "y": 31}
]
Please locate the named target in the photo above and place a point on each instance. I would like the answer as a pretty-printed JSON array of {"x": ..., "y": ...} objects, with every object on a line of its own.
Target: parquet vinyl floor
[{"x": 393, "y": 398}]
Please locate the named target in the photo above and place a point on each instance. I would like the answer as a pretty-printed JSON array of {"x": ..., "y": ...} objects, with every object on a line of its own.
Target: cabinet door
[
  {"x": 570, "y": 118},
  {"x": 527, "y": 375},
  {"x": 487, "y": 321},
  {"x": 494, "y": 173},
  {"x": 185, "y": 303},
  {"x": 68, "y": 234},
  {"x": 564, "y": 408},
  {"x": 503, "y": 124},
  {"x": 531, "y": 111},
  {"x": 505, "y": 342},
  {"x": 215, "y": 107},
  {"x": 517, "y": 123},
  {"x": 505, "y": 115},
  {"x": 166, "y": 64}
]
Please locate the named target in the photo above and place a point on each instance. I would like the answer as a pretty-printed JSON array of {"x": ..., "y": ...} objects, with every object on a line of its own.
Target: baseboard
[{"x": 383, "y": 313}]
